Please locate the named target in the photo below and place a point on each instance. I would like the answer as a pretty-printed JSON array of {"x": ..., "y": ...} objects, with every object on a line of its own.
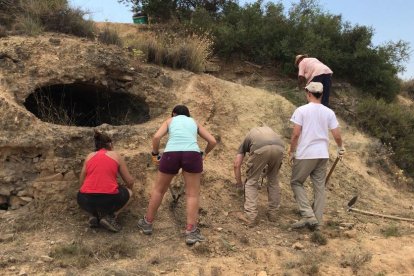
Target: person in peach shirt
[{"x": 312, "y": 70}]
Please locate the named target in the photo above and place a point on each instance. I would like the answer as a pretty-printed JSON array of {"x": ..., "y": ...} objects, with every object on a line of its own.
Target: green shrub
[
  {"x": 265, "y": 34},
  {"x": 392, "y": 124}
]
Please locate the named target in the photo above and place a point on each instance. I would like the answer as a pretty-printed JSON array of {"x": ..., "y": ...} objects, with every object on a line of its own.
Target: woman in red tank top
[{"x": 100, "y": 195}]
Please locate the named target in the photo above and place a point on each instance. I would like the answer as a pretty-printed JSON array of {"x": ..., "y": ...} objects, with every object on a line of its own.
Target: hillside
[{"x": 45, "y": 233}]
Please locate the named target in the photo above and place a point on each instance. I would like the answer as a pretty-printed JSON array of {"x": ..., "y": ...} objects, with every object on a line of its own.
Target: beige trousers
[
  {"x": 271, "y": 156},
  {"x": 316, "y": 169}
]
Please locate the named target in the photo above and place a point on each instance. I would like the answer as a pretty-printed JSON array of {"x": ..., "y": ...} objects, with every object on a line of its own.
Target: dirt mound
[{"x": 41, "y": 161}]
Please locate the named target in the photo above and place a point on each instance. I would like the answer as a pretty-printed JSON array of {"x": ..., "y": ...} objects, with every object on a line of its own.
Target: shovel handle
[
  {"x": 378, "y": 215},
  {"x": 331, "y": 170}
]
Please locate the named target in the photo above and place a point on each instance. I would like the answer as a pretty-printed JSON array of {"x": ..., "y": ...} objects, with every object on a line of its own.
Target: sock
[
  {"x": 149, "y": 221},
  {"x": 190, "y": 227}
]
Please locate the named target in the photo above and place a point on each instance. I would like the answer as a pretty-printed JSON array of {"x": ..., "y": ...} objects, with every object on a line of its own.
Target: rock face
[{"x": 42, "y": 160}]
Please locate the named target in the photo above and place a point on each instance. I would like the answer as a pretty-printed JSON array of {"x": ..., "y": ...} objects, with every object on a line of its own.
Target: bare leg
[
  {"x": 192, "y": 193},
  {"x": 157, "y": 194}
]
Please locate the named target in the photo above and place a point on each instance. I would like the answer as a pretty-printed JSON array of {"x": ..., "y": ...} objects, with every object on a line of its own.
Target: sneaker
[
  {"x": 145, "y": 226},
  {"x": 109, "y": 223},
  {"x": 311, "y": 222},
  {"x": 193, "y": 237},
  {"x": 93, "y": 222}
]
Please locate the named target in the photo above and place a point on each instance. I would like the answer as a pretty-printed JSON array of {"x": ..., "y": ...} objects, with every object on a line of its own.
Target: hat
[
  {"x": 299, "y": 57},
  {"x": 314, "y": 87}
]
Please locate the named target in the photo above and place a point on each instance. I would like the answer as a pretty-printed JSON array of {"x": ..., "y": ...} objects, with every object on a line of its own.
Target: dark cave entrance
[{"x": 87, "y": 105}]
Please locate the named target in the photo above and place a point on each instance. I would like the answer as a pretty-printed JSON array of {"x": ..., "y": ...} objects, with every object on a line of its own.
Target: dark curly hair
[{"x": 102, "y": 140}]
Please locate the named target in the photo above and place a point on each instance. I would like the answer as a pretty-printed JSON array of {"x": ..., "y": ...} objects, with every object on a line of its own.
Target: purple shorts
[{"x": 190, "y": 161}]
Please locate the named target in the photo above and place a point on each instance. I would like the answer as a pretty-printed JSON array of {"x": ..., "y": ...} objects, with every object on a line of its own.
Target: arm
[
  {"x": 301, "y": 82},
  {"x": 123, "y": 171},
  {"x": 337, "y": 136},
  {"x": 211, "y": 141},
  {"x": 297, "y": 129},
  {"x": 237, "y": 168},
  {"x": 161, "y": 132},
  {"x": 82, "y": 175}
]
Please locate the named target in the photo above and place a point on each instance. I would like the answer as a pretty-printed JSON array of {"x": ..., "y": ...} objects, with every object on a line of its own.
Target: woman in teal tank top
[{"x": 181, "y": 152}]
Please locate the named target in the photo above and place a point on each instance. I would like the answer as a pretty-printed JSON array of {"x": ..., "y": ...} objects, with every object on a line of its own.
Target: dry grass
[
  {"x": 32, "y": 17},
  {"x": 80, "y": 254},
  {"x": 109, "y": 35},
  {"x": 356, "y": 259},
  {"x": 407, "y": 87},
  {"x": 176, "y": 50}
]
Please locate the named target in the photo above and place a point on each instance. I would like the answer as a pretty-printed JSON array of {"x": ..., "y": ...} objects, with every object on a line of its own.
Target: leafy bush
[
  {"x": 34, "y": 16},
  {"x": 393, "y": 125},
  {"x": 265, "y": 34}
]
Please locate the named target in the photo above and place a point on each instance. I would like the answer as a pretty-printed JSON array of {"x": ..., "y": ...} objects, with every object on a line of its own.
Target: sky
[{"x": 392, "y": 20}]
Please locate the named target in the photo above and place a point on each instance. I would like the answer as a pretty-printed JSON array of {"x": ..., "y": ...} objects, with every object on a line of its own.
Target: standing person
[
  {"x": 265, "y": 148},
  {"x": 309, "y": 154},
  {"x": 312, "y": 70},
  {"x": 181, "y": 151},
  {"x": 100, "y": 195}
]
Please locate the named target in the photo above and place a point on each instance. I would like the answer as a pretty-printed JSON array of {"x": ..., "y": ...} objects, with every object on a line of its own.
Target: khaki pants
[
  {"x": 271, "y": 156},
  {"x": 316, "y": 169}
]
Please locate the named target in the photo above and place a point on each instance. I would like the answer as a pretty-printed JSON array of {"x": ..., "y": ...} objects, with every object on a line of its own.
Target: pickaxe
[{"x": 352, "y": 209}]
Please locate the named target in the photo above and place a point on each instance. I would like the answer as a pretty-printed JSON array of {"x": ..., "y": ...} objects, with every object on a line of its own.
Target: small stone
[
  {"x": 12, "y": 268},
  {"x": 46, "y": 258},
  {"x": 6, "y": 237},
  {"x": 22, "y": 193},
  {"x": 298, "y": 246},
  {"x": 26, "y": 198},
  {"x": 351, "y": 234},
  {"x": 219, "y": 228},
  {"x": 54, "y": 41},
  {"x": 22, "y": 273},
  {"x": 262, "y": 273},
  {"x": 126, "y": 78},
  {"x": 36, "y": 159}
]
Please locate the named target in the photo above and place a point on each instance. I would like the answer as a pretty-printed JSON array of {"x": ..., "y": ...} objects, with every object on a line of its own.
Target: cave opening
[{"x": 86, "y": 105}]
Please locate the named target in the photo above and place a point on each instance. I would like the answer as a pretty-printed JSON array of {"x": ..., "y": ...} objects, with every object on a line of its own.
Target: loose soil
[{"x": 53, "y": 238}]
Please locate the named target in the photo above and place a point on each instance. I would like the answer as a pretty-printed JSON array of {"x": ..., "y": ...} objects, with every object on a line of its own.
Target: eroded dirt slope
[{"x": 50, "y": 235}]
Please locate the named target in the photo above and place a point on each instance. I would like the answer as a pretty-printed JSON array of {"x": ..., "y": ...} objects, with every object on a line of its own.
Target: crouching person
[
  {"x": 100, "y": 195},
  {"x": 265, "y": 148}
]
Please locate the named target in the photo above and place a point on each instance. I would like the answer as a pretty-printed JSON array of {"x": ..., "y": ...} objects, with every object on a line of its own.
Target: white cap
[{"x": 314, "y": 87}]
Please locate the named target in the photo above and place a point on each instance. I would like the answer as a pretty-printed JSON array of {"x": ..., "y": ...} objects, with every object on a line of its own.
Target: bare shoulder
[{"x": 114, "y": 155}]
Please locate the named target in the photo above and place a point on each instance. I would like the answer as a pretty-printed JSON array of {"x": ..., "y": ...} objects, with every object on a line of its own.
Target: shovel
[
  {"x": 352, "y": 209},
  {"x": 331, "y": 170}
]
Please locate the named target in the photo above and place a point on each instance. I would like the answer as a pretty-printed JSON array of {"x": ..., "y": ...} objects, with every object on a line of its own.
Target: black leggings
[{"x": 101, "y": 205}]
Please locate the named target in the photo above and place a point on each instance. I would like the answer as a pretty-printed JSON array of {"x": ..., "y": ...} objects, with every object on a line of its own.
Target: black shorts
[{"x": 100, "y": 205}]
